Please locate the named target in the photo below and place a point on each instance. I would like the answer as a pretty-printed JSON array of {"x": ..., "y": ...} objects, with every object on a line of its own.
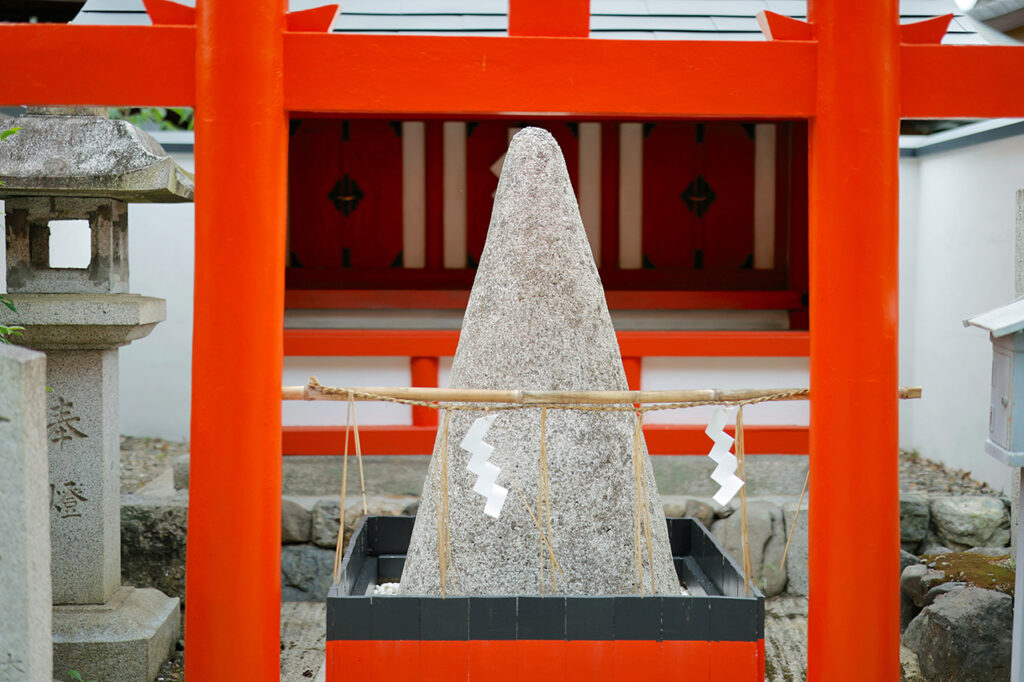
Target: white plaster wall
[
  {"x": 957, "y": 260},
  {"x": 156, "y": 372},
  {"x": 681, "y": 373},
  {"x": 909, "y": 200},
  {"x": 362, "y": 371}
]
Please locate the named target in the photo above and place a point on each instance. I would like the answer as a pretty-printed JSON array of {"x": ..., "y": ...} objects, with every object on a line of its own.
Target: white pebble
[{"x": 386, "y": 588}]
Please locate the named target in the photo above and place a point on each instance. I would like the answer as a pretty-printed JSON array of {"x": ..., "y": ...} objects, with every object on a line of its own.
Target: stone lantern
[
  {"x": 77, "y": 164},
  {"x": 1005, "y": 441}
]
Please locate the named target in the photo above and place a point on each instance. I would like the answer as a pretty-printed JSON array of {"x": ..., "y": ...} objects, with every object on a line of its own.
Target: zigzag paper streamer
[
  {"x": 488, "y": 473},
  {"x": 725, "y": 473}
]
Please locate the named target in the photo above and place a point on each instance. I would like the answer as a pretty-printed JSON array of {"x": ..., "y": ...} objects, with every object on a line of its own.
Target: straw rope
[
  {"x": 350, "y": 419},
  {"x": 444, "y": 546},
  {"x": 748, "y": 566},
  {"x": 586, "y": 401},
  {"x": 796, "y": 517}
]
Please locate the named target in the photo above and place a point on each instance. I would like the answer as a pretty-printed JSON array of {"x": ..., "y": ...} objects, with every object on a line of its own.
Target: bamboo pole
[{"x": 466, "y": 395}]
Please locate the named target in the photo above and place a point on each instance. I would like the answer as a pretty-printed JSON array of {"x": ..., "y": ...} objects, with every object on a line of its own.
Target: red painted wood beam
[
  {"x": 370, "y": 342},
  {"x": 316, "y": 19},
  {"x": 775, "y": 26},
  {"x": 854, "y": 293},
  {"x": 927, "y": 32},
  {"x": 78, "y": 65},
  {"x": 945, "y": 81},
  {"x": 566, "y": 18},
  {"x": 442, "y": 343},
  {"x": 714, "y": 344},
  {"x": 456, "y": 299},
  {"x": 662, "y": 439},
  {"x": 487, "y": 75},
  {"x": 423, "y": 372},
  {"x": 59, "y": 64},
  {"x": 232, "y": 622}
]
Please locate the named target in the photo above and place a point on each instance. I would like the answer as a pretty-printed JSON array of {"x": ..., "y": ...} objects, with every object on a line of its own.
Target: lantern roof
[
  {"x": 83, "y": 153},
  {"x": 1007, "y": 319}
]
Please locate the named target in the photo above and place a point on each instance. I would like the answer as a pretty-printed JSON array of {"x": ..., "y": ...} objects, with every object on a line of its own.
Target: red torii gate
[{"x": 850, "y": 76}]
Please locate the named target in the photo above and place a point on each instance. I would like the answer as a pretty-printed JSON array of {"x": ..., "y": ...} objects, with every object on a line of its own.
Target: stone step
[{"x": 404, "y": 474}]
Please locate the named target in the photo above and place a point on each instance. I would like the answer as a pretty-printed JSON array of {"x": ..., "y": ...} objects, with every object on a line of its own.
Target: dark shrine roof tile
[{"x": 615, "y": 19}]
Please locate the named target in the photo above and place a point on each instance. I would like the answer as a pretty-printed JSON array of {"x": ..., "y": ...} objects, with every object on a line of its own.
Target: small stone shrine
[
  {"x": 537, "y": 320},
  {"x": 77, "y": 164}
]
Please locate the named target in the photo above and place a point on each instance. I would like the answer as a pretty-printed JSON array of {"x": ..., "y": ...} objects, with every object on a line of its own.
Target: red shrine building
[{"x": 699, "y": 229}]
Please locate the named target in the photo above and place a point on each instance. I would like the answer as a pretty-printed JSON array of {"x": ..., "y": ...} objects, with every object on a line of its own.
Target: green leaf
[
  {"x": 8, "y": 303},
  {"x": 7, "y": 133}
]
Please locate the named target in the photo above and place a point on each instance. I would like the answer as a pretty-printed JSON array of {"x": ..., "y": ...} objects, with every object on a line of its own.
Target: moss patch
[{"x": 979, "y": 570}]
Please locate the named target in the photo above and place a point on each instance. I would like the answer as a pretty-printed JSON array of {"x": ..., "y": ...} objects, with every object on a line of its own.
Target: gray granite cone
[{"x": 537, "y": 320}]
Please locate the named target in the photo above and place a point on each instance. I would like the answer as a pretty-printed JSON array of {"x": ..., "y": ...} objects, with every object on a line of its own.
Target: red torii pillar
[
  {"x": 234, "y": 530},
  {"x": 854, "y": 301}
]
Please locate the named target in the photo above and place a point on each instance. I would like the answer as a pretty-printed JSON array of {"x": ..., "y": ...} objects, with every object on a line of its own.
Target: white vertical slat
[
  {"x": 631, "y": 186},
  {"x": 589, "y": 179},
  {"x": 454, "y": 194},
  {"x": 764, "y": 196},
  {"x": 414, "y": 194}
]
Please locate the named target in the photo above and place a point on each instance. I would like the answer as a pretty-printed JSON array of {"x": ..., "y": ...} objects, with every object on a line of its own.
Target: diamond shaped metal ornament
[
  {"x": 698, "y": 196},
  {"x": 346, "y": 195}
]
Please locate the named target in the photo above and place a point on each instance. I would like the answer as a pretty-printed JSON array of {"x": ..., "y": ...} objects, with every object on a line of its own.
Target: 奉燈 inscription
[
  {"x": 65, "y": 498},
  {"x": 61, "y": 425}
]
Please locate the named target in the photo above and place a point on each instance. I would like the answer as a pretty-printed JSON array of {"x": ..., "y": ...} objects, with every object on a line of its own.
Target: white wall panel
[
  {"x": 414, "y": 194},
  {"x": 368, "y": 371},
  {"x": 662, "y": 374}
]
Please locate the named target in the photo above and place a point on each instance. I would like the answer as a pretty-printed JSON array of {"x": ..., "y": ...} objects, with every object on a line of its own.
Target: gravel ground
[
  {"x": 142, "y": 459},
  {"x": 924, "y": 475}
]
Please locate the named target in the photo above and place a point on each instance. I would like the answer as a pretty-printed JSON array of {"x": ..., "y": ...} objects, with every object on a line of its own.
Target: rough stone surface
[
  {"x": 964, "y": 637},
  {"x": 306, "y": 573},
  {"x": 153, "y": 542},
  {"x": 680, "y": 505},
  {"x": 295, "y": 522},
  {"x": 25, "y": 596},
  {"x": 83, "y": 321},
  {"x": 82, "y": 429},
  {"x": 537, "y": 320},
  {"x": 910, "y": 669},
  {"x": 990, "y": 551},
  {"x": 968, "y": 521},
  {"x": 28, "y": 236},
  {"x": 180, "y": 467},
  {"x": 766, "y": 531},
  {"x": 89, "y": 156},
  {"x": 124, "y": 640},
  {"x": 908, "y": 609},
  {"x": 917, "y": 579},
  {"x": 914, "y": 516},
  {"x": 934, "y": 549},
  {"x": 939, "y": 590},
  {"x": 797, "y": 575},
  {"x": 324, "y": 527}
]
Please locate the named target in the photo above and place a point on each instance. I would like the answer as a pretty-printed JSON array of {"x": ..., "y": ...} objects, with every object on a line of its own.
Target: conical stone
[{"x": 537, "y": 320}]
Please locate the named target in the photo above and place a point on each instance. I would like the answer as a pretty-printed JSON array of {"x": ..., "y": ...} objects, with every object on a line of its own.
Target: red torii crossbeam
[{"x": 853, "y": 79}]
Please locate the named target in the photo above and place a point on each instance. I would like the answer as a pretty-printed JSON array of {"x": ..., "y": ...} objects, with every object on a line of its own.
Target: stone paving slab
[{"x": 318, "y": 476}]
